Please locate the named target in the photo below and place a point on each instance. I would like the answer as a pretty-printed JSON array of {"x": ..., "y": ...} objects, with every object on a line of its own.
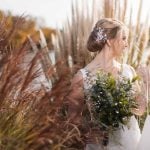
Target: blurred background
[
  {"x": 53, "y": 14},
  {"x": 42, "y": 45}
]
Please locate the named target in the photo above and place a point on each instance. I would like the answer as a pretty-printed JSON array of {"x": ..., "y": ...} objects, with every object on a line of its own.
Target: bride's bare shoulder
[{"x": 78, "y": 78}]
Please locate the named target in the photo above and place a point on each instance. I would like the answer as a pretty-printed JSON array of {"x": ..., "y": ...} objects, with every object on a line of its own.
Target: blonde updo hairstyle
[{"x": 104, "y": 29}]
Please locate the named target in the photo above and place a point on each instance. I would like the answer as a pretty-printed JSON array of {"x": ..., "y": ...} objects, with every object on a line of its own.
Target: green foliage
[{"x": 112, "y": 100}]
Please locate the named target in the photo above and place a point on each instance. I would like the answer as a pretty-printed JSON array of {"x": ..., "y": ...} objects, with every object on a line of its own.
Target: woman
[{"x": 109, "y": 39}]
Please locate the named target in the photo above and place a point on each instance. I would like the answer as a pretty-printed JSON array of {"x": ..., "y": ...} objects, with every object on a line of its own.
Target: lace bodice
[{"x": 126, "y": 71}]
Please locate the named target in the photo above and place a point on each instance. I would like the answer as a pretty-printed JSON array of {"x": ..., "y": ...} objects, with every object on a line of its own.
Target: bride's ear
[{"x": 108, "y": 43}]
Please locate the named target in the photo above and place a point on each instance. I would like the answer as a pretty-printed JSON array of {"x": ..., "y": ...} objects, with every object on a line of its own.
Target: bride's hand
[
  {"x": 140, "y": 96},
  {"x": 140, "y": 100}
]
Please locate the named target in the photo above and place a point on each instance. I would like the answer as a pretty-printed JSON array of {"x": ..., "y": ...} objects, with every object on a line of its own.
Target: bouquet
[{"x": 111, "y": 100}]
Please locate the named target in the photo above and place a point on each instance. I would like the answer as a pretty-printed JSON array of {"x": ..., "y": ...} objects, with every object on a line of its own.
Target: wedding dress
[
  {"x": 144, "y": 143},
  {"x": 126, "y": 137}
]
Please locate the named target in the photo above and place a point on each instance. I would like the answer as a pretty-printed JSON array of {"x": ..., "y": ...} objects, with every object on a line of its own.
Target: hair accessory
[{"x": 101, "y": 36}]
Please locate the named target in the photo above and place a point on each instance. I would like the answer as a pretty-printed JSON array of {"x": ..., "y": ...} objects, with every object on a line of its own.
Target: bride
[{"x": 109, "y": 39}]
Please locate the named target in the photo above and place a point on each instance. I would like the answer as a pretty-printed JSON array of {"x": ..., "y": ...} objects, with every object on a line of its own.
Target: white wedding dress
[
  {"x": 126, "y": 138},
  {"x": 144, "y": 143}
]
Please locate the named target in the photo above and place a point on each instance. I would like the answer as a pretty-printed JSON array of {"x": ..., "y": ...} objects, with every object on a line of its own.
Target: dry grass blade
[{"x": 31, "y": 116}]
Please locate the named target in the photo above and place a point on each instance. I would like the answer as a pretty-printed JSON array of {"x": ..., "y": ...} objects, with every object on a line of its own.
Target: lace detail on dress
[
  {"x": 86, "y": 79},
  {"x": 84, "y": 72}
]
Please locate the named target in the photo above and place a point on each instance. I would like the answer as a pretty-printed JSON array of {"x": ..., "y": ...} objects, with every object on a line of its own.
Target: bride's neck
[{"x": 105, "y": 59}]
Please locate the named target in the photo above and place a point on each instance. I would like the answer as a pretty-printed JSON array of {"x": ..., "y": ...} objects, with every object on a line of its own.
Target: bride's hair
[{"x": 104, "y": 29}]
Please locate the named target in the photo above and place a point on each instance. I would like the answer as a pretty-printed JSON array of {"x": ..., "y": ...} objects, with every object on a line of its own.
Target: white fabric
[
  {"x": 144, "y": 143},
  {"x": 84, "y": 73},
  {"x": 126, "y": 138}
]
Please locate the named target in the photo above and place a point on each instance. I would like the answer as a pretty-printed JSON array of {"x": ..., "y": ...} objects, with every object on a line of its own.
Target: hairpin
[{"x": 101, "y": 36}]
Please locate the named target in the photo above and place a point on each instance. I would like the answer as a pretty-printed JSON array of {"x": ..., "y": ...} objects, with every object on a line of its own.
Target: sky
[{"x": 52, "y": 13}]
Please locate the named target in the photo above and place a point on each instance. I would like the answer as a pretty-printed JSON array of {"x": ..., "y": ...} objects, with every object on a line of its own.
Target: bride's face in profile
[{"x": 120, "y": 43}]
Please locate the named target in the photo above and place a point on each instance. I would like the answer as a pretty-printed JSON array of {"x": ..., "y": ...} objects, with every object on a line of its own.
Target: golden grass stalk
[
  {"x": 30, "y": 114},
  {"x": 73, "y": 36}
]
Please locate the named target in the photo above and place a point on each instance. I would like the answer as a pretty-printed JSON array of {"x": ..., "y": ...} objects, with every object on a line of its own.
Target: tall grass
[
  {"x": 72, "y": 38},
  {"x": 31, "y": 116}
]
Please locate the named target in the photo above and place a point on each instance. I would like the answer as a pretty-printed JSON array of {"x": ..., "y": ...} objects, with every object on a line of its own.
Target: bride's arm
[
  {"x": 76, "y": 99},
  {"x": 140, "y": 97}
]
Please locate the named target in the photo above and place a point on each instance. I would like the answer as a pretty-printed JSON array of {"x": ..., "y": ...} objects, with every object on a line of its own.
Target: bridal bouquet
[{"x": 112, "y": 100}]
